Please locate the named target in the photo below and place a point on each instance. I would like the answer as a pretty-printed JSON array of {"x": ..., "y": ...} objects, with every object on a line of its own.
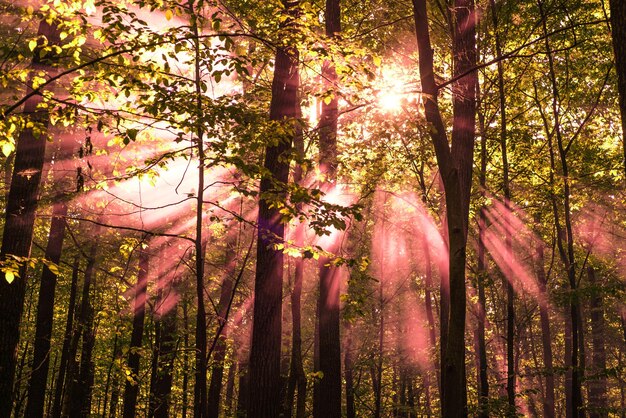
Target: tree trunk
[
  {"x": 110, "y": 374},
  {"x": 297, "y": 376},
  {"x": 45, "y": 311},
  {"x": 618, "y": 32},
  {"x": 200, "y": 404},
  {"x": 264, "y": 397},
  {"x": 329, "y": 386},
  {"x": 19, "y": 222},
  {"x": 597, "y": 386},
  {"x": 348, "y": 365},
  {"x": 483, "y": 381},
  {"x": 79, "y": 377},
  {"x": 185, "y": 382},
  {"x": 510, "y": 294},
  {"x": 131, "y": 389},
  {"x": 219, "y": 354},
  {"x": 546, "y": 336},
  {"x": 455, "y": 166},
  {"x": 165, "y": 352},
  {"x": 244, "y": 390},
  {"x": 65, "y": 350},
  {"x": 567, "y": 254},
  {"x": 230, "y": 389}
]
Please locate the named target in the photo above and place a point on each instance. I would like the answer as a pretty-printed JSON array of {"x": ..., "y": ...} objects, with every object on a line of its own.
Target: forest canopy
[{"x": 220, "y": 208}]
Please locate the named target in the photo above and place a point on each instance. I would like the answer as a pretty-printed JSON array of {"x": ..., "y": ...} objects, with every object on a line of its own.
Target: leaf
[
  {"x": 169, "y": 14},
  {"x": 132, "y": 134},
  {"x": 9, "y": 276},
  {"x": 7, "y": 148},
  {"x": 32, "y": 45},
  {"x": 377, "y": 61}
]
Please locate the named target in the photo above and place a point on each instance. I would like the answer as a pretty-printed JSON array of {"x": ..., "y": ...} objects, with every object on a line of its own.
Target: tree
[
  {"x": 455, "y": 165},
  {"x": 329, "y": 386},
  {"x": 264, "y": 368},
  {"x": 131, "y": 389},
  {"x": 20, "y": 218}
]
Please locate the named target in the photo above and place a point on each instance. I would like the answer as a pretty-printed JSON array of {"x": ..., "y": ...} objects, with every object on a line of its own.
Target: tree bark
[
  {"x": 510, "y": 294},
  {"x": 297, "y": 376},
  {"x": 329, "y": 398},
  {"x": 65, "y": 350},
  {"x": 597, "y": 386},
  {"x": 200, "y": 404},
  {"x": 264, "y": 369},
  {"x": 546, "y": 335},
  {"x": 483, "y": 381},
  {"x": 80, "y": 376},
  {"x": 567, "y": 254},
  {"x": 455, "y": 166},
  {"x": 348, "y": 365},
  {"x": 165, "y": 352},
  {"x": 45, "y": 311},
  {"x": 219, "y": 354},
  {"x": 131, "y": 388},
  {"x": 618, "y": 32},
  {"x": 19, "y": 222}
]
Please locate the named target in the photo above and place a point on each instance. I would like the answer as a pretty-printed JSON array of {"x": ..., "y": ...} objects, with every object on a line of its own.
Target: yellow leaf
[
  {"x": 30, "y": 10},
  {"x": 168, "y": 14},
  {"x": 7, "y": 148},
  {"x": 377, "y": 61},
  {"x": 32, "y": 45},
  {"x": 9, "y": 276}
]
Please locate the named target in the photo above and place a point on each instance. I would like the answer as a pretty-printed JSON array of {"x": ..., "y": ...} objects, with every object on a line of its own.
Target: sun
[
  {"x": 390, "y": 101},
  {"x": 392, "y": 89}
]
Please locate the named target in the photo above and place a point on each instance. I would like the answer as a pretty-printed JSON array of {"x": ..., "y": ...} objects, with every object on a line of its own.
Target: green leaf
[
  {"x": 9, "y": 276},
  {"x": 132, "y": 134}
]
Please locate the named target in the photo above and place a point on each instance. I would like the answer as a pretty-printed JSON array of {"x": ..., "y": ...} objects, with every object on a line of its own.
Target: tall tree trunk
[
  {"x": 546, "y": 335},
  {"x": 18, "y": 394},
  {"x": 618, "y": 32},
  {"x": 110, "y": 374},
  {"x": 244, "y": 390},
  {"x": 219, "y": 353},
  {"x": 115, "y": 395},
  {"x": 510, "y": 294},
  {"x": 597, "y": 386},
  {"x": 45, "y": 304},
  {"x": 264, "y": 397},
  {"x": 378, "y": 380},
  {"x": 80, "y": 375},
  {"x": 165, "y": 352},
  {"x": 349, "y": 366},
  {"x": 567, "y": 255},
  {"x": 483, "y": 381},
  {"x": 185, "y": 382},
  {"x": 455, "y": 166},
  {"x": 20, "y": 220},
  {"x": 200, "y": 386},
  {"x": 131, "y": 389},
  {"x": 65, "y": 350},
  {"x": 297, "y": 376},
  {"x": 230, "y": 389},
  {"x": 329, "y": 398}
]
